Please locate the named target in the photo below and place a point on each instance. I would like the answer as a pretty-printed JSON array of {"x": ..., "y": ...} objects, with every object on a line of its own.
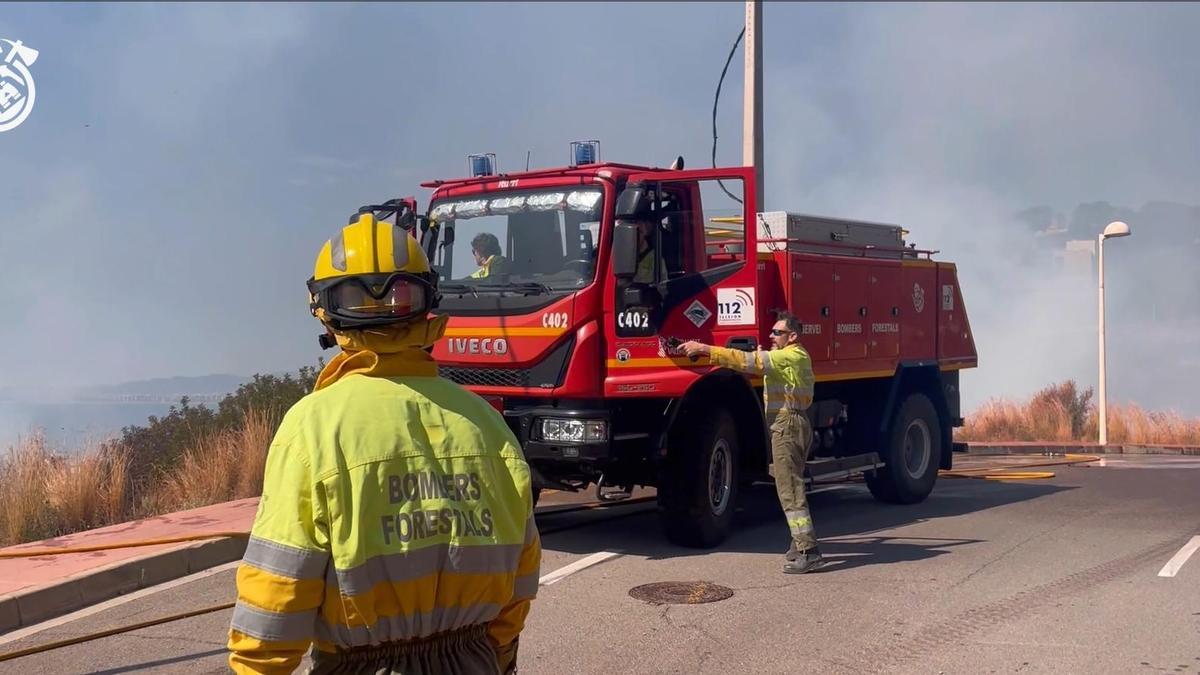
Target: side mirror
[
  {"x": 624, "y": 249},
  {"x": 634, "y": 201}
]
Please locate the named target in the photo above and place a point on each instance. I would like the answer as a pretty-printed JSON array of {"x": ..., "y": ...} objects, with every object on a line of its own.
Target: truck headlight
[{"x": 573, "y": 431}]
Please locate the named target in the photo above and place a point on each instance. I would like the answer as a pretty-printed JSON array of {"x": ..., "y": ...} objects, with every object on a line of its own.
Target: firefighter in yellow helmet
[{"x": 395, "y": 529}]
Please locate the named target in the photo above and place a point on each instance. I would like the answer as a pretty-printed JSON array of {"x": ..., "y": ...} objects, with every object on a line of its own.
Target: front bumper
[{"x": 525, "y": 423}]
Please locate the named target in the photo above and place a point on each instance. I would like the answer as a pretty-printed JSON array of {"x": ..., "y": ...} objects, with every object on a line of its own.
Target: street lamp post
[{"x": 1114, "y": 229}]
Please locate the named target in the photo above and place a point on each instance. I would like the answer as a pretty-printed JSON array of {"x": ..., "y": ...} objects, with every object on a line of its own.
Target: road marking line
[
  {"x": 1181, "y": 557},
  {"x": 115, "y": 602},
  {"x": 563, "y": 572}
]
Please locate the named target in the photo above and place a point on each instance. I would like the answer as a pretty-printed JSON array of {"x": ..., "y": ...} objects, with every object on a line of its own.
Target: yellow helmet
[{"x": 371, "y": 274}]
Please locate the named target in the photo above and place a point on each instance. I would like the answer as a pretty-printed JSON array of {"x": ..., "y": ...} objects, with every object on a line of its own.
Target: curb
[
  {"x": 28, "y": 607},
  {"x": 1026, "y": 448}
]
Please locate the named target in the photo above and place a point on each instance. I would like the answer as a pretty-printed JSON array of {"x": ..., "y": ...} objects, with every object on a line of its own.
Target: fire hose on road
[
  {"x": 1013, "y": 471},
  {"x": 992, "y": 472}
]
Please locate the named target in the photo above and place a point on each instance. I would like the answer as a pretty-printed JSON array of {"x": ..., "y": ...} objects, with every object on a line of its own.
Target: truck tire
[
  {"x": 914, "y": 446},
  {"x": 699, "y": 485}
]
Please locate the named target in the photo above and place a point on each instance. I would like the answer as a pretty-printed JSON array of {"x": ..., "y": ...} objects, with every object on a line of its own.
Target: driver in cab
[
  {"x": 647, "y": 255},
  {"x": 486, "y": 249}
]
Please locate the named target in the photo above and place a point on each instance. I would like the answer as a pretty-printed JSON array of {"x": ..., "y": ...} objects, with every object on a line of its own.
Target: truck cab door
[{"x": 695, "y": 263}]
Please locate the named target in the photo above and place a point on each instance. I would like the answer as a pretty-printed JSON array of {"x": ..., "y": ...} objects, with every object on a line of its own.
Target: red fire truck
[{"x": 601, "y": 268}]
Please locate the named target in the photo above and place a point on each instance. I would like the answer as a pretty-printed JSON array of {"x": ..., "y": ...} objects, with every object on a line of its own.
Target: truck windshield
[{"x": 527, "y": 240}]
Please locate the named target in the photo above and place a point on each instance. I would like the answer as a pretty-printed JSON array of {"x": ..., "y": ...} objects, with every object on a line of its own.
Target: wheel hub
[
  {"x": 917, "y": 448},
  {"x": 720, "y": 475}
]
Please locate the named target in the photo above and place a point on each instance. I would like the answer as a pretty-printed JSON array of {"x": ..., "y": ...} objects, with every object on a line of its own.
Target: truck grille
[
  {"x": 545, "y": 374},
  {"x": 486, "y": 377}
]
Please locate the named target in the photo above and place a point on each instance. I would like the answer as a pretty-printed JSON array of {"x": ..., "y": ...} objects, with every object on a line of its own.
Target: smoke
[
  {"x": 951, "y": 120},
  {"x": 189, "y": 160}
]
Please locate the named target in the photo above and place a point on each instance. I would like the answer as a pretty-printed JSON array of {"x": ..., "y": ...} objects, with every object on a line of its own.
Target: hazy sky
[{"x": 161, "y": 207}]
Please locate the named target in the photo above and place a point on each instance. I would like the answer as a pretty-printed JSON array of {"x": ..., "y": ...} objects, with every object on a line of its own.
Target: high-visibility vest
[
  {"x": 787, "y": 373},
  {"x": 392, "y": 508},
  {"x": 486, "y": 269},
  {"x": 645, "y": 267}
]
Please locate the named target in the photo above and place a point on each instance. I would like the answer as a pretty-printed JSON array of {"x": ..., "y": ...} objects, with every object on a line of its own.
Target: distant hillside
[{"x": 203, "y": 388}]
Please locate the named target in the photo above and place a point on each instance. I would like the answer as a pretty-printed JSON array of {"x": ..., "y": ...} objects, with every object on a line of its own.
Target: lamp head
[{"x": 1116, "y": 229}]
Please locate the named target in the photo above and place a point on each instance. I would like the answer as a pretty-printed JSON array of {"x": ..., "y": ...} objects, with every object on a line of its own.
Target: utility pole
[{"x": 752, "y": 112}]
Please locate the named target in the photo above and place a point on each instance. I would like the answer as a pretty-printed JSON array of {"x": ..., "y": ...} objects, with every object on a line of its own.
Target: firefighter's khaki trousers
[
  {"x": 791, "y": 439},
  {"x": 462, "y": 652}
]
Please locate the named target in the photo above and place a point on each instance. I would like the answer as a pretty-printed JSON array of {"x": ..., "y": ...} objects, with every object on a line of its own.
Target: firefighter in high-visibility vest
[
  {"x": 395, "y": 529},
  {"x": 649, "y": 261},
  {"x": 787, "y": 393},
  {"x": 486, "y": 249}
]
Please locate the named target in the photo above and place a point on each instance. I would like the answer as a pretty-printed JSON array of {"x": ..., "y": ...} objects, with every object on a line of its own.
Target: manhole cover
[{"x": 680, "y": 592}]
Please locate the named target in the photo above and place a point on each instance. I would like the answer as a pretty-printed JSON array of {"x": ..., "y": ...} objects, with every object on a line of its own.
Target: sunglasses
[{"x": 775, "y": 332}]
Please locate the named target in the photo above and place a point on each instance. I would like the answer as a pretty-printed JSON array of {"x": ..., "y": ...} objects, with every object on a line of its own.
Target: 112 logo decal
[{"x": 735, "y": 307}]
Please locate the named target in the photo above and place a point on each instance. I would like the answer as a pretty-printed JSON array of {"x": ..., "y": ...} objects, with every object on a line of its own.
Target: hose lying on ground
[
  {"x": 1016, "y": 471},
  {"x": 30, "y": 651},
  {"x": 33, "y": 552},
  {"x": 994, "y": 472}
]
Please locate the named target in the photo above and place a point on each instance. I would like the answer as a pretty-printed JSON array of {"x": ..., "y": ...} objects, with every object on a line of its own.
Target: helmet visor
[{"x": 383, "y": 298}]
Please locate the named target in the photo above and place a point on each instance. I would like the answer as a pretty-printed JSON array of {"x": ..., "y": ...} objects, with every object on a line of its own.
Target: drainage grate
[{"x": 681, "y": 592}]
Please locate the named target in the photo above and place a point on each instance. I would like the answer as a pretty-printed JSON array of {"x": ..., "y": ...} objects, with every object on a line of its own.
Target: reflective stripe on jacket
[
  {"x": 392, "y": 508},
  {"x": 787, "y": 374}
]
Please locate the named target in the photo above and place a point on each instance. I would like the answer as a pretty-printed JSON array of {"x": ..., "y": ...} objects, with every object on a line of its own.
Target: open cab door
[{"x": 683, "y": 258}]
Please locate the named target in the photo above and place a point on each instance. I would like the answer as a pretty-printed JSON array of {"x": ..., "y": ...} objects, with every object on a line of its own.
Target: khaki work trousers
[
  {"x": 461, "y": 652},
  {"x": 791, "y": 440}
]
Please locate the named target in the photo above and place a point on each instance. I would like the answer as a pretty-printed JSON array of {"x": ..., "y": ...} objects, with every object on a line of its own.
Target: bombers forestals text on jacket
[{"x": 414, "y": 518}]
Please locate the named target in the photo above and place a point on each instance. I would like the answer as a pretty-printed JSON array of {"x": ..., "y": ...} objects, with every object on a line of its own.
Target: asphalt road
[{"x": 1050, "y": 576}]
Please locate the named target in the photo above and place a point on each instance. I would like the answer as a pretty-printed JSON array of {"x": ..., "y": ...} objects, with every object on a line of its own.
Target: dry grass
[
  {"x": 222, "y": 467},
  {"x": 45, "y": 493},
  {"x": 1063, "y": 413},
  {"x": 1132, "y": 424},
  {"x": 23, "y": 501}
]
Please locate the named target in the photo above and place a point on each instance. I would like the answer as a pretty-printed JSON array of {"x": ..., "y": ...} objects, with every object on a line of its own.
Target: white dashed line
[
  {"x": 563, "y": 572},
  {"x": 1181, "y": 557}
]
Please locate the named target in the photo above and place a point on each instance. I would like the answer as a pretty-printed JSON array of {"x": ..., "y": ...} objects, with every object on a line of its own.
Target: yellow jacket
[
  {"x": 495, "y": 264},
  {"x": 392, "y": 508},
  {"x": 787, "y": 375},
  {"x": 647, "y": 261}
]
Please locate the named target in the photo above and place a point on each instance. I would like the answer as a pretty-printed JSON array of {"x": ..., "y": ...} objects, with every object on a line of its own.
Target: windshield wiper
[
  {"x": 527, "y": 287},
  {"x": 458, "y": 288}
]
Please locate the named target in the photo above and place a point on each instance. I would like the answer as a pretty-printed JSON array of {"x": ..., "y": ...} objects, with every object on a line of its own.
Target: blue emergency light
[
  {"x": 585, "y": 152},
  {"x": 482, "y": 165}
]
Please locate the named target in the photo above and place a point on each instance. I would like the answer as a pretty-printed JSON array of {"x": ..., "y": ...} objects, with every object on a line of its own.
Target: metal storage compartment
[{"x": 832, "y": 236}]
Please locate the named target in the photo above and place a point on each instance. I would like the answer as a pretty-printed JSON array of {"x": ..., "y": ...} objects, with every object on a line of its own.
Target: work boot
[
  {"x": 792, "y": 552},
  {"x": 804, "y": 561}
]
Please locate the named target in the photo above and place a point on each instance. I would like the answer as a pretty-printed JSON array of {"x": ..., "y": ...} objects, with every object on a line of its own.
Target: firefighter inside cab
[
  {"x": 395, "y": 531},
  {"x": 486, "y": 249},
  {"x": 647, "y": 256}
]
